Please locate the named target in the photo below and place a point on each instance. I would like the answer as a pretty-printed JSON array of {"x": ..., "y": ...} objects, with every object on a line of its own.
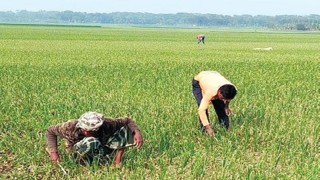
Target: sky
[{"x": 221, "y": 7}]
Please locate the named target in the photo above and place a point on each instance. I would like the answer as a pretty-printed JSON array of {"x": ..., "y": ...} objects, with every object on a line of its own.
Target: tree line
[{"x": 279, "y": 22}]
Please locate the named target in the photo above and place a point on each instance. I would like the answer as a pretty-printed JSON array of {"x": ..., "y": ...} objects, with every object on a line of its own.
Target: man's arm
[
  {"x": 52, "y": 148},
  {"x": 133, "y": 127},
  {"x": 226, "y": 107},
  {"x": 202, "y": 111},
  {"x": 118, "y": 157},
  {"x": 204, "y": 104},
  {"x": 52, "y": 134},
  {"x": 226, "y": 103}
]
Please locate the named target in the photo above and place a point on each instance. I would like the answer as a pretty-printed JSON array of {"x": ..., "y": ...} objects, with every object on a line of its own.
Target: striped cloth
[
  {"x": 90, "y": 147},
  {"x": 120, "y": 139}
]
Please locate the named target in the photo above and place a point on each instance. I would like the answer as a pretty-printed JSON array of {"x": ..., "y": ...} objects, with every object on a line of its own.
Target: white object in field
[{"x": 263, "y": 49}]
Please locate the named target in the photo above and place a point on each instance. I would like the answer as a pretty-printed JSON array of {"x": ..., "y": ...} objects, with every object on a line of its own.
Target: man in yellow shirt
[{"x": 210, "y": 87}]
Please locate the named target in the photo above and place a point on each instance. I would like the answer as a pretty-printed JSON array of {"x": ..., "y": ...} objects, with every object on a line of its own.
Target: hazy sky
[{"x": 224, "y": 7}]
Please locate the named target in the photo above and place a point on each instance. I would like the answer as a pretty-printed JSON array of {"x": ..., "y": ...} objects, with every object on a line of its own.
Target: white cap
[{"x": 90, "y": 121}]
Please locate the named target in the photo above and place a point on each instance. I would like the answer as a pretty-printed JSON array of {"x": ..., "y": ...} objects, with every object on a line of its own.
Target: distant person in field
[
  {"x": 200, "y": 38},
  {"x": 94, "y": 137},
  {"x": 210, "y": 87}
]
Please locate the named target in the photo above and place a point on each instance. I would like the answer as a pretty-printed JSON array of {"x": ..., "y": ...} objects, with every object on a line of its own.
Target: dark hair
[{"x": 228, "y": 91}]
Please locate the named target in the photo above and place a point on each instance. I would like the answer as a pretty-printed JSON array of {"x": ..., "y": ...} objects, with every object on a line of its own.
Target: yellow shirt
[{"x": 211, "y": 81}]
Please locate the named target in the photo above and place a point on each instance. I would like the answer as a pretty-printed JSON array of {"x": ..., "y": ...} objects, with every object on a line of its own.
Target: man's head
[
  {"x": 90, "y": 122},
  {"x": 227, "y": 92}
]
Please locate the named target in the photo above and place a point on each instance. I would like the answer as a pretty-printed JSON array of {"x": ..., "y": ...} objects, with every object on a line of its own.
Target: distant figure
[
  {"x": 210, "y": 87},
  {"x": 200, "y": 38},
  {"x": 94, "y": 136}
]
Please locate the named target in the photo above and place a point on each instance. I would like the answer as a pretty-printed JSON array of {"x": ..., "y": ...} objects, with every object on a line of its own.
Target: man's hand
[
  {"x": 138, "y": 139},
  {"x": 228, "y": 111},
  {"x": 209, "y": 131},
  {"x": 54, "y": 156}
]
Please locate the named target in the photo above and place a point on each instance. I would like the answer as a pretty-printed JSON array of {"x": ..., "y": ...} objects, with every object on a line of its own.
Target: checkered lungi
[{"x": 90, "y": 148}]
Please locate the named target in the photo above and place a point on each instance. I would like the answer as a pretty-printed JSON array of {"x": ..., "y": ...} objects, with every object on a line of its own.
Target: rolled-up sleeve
[{"x": 63, "y": 130}]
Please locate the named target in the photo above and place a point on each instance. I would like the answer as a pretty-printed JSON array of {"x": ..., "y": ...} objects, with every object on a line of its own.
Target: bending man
[
  {"x": 210, "y": 87},
  {"x": 200, "y": 38},
  {"x": 94, "y": 136}
]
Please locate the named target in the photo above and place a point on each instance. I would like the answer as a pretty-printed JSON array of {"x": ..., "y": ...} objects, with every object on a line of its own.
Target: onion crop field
[{"x": 51, "y": 74}]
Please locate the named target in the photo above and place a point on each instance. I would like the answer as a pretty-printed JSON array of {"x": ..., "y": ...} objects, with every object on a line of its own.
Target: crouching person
[{"x": 94, "y": 136}]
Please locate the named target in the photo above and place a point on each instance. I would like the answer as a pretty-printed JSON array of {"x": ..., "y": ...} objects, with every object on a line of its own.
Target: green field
[{"x": 52, "y": 74}]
